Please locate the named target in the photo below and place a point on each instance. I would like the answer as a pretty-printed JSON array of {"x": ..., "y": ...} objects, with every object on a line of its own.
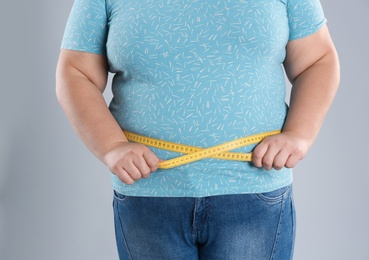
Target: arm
[
  {"x": 80, "y": 81},
  {"x": 312, "y": 67}
]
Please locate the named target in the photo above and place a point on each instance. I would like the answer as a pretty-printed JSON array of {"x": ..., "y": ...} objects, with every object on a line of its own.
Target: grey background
[{"x": 55, "y": 197}]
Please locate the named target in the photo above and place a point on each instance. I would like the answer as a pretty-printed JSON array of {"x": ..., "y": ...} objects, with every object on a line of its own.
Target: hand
[
  {"x": 131, "y": 162},
  {"x": 281, "y": 150}
]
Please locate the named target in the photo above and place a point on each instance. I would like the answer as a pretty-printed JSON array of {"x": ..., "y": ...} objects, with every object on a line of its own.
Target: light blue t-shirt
[{"x": 196, "y": 72}]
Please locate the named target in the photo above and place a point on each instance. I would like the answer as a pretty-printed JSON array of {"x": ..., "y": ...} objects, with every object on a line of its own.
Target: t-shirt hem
[
  {"x": 201, "y": 193},
  {"x": 308, "y": 32},
  {"x": 100, "y": 52}
]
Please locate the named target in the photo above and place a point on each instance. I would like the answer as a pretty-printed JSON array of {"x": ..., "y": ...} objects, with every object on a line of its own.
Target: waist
[{"x": 193, "y": 153}]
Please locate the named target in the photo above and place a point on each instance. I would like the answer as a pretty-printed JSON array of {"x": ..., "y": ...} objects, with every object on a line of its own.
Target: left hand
[{"x": 281, "y": 150}]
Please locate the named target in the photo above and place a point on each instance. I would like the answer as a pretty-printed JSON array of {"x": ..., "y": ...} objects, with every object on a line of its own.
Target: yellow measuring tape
[{"x": 193, "y": 153}]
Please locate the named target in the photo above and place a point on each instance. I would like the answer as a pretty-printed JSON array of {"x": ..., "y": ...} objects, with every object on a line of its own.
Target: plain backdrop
[{"x": 55, "y": 197}]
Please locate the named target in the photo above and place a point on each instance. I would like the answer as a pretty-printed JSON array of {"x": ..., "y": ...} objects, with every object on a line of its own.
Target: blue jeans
[{"x": 248, "y": 226}]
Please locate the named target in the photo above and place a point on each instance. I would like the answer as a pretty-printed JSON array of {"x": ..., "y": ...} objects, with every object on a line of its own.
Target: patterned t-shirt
[{"x": 196, "y": 72}]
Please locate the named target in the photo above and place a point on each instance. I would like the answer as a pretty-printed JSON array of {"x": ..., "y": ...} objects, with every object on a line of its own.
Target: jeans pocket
[
  {"x": 120, "y": 198},
  {"x": 275, "y": 196}
]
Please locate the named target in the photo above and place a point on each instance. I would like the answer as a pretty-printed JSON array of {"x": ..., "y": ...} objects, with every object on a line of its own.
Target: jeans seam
[
  {"x": 119, "y": 199},
  {"x": 293, "y": 224},
  {"x": 121, "y": 230},
  {"x": 278, "y": 228},
  {"x": 275, "y": 200}
]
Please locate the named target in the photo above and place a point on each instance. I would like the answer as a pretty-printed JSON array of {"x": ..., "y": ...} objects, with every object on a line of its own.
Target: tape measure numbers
[{"x": 193, "y": 153}]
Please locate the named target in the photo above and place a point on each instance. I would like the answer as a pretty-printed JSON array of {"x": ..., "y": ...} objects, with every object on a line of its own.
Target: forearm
[
  {"x": 312, "y": 94},
  {"x": 80, "y": 81},
  {"x": 88, "y": 113},
  {"x": 312, "y": 66}
]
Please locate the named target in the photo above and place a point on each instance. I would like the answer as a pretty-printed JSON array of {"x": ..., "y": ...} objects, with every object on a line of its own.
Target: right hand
[{"x": 131, "y": 161}]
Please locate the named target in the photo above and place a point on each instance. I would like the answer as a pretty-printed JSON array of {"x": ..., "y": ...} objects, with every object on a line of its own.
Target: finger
[
  {"x": 281, "y": 159},
  {"x": 132, "y": 170},
  {"x": 268, "y": 158},
  {"x": 124, "y": 176},
  {"x": 292, "y": 161},
  {"x": 142, "y": 167},
  {"x": 258, "y": 154},
  {"x": 152, "y": 161}
]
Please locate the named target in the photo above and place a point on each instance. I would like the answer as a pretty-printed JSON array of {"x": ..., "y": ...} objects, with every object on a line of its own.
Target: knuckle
[
  {"x": 256, "y": 164},
  {"x": 293, "y": 149},
  {"x": 300, "y": 154},
  {"x": 145, "y": 148},
  {"x": 153, "y": 162},
  {"x": 290, "y": 165},
  {"x": 273, "y": 140},
  {"x": 292, "y": 162},
  {"x": 267, "y": 165},
  {"x": 156, "y": 162},
  {"x": 276, "y": 141},
  {"x": 125, "y": 178},
  {"x": 279, "y": 163},
  {"x": 115, "y": 168},
  {"x": 298, "y": 151},
  {"x": 142, "y": 148},
  {"x": 268, "y": 139},
  {"x": 146, "y": 172},
  {"x": 278, "y": 166},
  {"x": 153, "y": 168},
  {"x": 132, "y": 153},
  {"x": 136, "y": 177},
  {"x": 146, "y": 175},
  {"x": 257, "y": 154},
  {"x": 129, "y": 181}
]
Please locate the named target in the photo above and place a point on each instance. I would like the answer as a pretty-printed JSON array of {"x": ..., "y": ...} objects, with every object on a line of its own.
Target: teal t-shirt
[{"x": 196, "y": 72}]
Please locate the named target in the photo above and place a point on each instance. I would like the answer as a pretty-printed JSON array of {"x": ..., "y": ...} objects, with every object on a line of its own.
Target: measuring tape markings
[
  {"x": 193, "y": 153},
  {"x": 182, "y": 148}
]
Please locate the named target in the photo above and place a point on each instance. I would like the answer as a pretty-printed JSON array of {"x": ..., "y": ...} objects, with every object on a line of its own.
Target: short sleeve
[
  {"x": 305, "y": 17},
  {"x": 86, "y": 29}
]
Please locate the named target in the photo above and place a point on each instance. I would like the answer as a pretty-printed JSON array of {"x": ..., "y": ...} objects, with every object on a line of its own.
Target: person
[{"x": 199, "y": 73}]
